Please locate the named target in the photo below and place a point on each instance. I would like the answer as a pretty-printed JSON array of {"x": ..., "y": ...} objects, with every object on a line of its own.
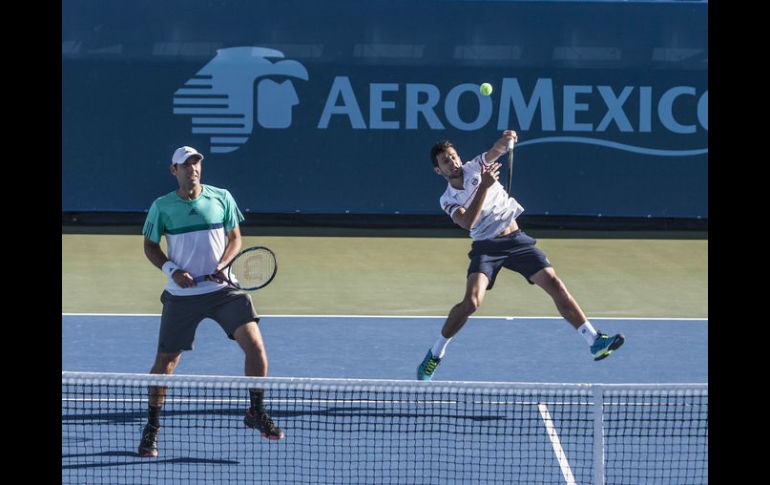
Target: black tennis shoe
[
  {"x": 262, "y": 421},
  {"x": 148, "y": 447}
]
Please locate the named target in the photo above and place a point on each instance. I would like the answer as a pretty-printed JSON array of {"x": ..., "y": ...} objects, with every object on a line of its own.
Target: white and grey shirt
[{"x": 498, "y": 211}]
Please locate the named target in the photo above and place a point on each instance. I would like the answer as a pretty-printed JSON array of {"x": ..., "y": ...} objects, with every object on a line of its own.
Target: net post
[{"x": 598, "y": 452}]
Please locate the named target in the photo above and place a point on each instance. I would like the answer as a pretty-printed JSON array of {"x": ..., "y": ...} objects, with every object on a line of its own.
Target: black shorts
[
  {"x": 229, "y": 307},
  {"x": 515, "y": 251}
]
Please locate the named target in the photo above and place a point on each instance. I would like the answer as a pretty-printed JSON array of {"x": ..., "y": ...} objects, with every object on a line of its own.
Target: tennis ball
[{"x": 486, "y": 89}]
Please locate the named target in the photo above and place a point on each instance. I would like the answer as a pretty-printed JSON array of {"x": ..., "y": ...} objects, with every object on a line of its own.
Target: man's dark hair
[{"x": 439, "y": 148}]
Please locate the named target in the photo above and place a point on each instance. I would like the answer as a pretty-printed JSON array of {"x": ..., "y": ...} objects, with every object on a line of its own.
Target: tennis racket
[
  {"x": 510, "y": 166},
  {"x": 250, "y": 270}
]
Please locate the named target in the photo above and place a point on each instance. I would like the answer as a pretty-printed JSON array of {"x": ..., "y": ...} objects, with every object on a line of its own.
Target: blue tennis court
[
  {"x": 343, "y": 426},
  {"x": 487, "y": 348}
]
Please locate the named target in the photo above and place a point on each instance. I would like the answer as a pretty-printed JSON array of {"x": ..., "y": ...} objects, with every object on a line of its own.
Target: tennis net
[{"x": 345, "y": 431}]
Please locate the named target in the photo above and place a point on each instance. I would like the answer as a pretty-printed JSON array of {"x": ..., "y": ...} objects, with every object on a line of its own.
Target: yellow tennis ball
[{"x": 486, "y": 89}]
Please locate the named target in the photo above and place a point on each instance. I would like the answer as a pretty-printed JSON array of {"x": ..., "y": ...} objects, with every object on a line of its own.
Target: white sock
[
  {"x": 588, "y": 332},
  {"x": 439, "y": 348}
]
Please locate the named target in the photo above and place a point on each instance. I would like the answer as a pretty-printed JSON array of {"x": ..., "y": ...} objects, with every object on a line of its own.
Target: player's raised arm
[{"x": 500, "y": 146}]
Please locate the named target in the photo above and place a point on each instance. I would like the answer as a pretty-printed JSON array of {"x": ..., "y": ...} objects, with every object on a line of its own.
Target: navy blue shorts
[{"x": 515, "y": 251}]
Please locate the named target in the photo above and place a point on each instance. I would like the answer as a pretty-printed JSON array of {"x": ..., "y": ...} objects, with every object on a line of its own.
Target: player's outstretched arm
[{"x": 500, "y": 146}]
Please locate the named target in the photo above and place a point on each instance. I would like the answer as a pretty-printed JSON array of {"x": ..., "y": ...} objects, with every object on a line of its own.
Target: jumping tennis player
[{"x": 476, "y": 201}]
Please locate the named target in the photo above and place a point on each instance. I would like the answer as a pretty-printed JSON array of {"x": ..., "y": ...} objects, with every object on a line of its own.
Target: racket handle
[
  {"x": 198, "y": 279},
  {"x": 510, "y": 166}
]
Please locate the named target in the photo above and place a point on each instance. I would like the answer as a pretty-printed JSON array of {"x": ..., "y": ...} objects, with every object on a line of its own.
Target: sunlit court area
[{"x": 385, "y": 242}]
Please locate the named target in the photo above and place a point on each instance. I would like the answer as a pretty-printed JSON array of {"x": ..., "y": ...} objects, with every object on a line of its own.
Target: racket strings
[{"x": 253, "y": 269}]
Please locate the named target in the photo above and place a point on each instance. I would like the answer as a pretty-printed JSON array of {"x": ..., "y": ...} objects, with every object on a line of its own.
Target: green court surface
[{"x": 389, "y": 275}]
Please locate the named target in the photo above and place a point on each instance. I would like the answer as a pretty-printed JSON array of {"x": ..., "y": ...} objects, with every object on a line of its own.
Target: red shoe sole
[{"x": 274, "y": 438}]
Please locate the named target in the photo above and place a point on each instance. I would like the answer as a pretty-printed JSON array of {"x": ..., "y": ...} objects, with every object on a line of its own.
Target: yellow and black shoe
[{"x": 428, "y": 366}]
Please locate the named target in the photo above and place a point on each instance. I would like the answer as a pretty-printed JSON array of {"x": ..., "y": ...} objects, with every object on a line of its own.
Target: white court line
[
  {"x": 556, "y": 444},
  {"x": 701, "y": 319}
]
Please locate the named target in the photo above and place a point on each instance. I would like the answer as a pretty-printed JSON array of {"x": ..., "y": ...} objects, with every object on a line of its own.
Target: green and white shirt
[{"x": 196, "y": 233}]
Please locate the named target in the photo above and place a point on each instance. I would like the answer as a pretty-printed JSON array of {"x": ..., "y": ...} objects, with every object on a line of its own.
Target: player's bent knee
[
  {"x": 254, "y": 347},
  {"x": 256, "y": 355},
  {"x": 472, "y": 304},
  {"x": 548, "y": 281},
  {"x": 165, "y": 363},
  {"x": 248, "y": 331},
  {"x": 555, "y": 282}
]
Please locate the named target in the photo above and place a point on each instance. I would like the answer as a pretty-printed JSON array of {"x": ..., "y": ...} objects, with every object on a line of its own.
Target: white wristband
[{"x": 169, "y": 267}]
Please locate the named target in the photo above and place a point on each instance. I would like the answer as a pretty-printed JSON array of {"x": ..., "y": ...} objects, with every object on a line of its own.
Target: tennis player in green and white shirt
[
  {"x": 196, "y": 234},
  {"x": 201, "y": 226}
]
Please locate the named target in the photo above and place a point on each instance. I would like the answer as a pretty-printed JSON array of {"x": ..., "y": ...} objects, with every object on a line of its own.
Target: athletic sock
[
  {"x": 439, "y": 348},
  {"x": 588, "y": 332}
]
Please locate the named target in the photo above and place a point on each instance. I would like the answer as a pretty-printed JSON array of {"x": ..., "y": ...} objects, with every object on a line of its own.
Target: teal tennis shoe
[
  {"x": 427, "y": 367},
  {"x": 603, "y": 345}
]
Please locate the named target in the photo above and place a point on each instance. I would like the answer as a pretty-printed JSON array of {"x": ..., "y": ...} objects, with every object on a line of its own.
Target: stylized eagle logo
[{"x": 220, "y": 97}]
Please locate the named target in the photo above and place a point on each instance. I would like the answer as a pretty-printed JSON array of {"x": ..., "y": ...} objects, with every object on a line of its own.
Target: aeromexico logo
[
  {"x": 220, "y": 97},
  {"x": 221, "y": 100}
]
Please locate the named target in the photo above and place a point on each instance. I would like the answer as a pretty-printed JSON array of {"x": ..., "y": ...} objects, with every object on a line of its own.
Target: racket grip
[
  {"x": 198, "y": 279},
  {"x": 510, "y": 145}
]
